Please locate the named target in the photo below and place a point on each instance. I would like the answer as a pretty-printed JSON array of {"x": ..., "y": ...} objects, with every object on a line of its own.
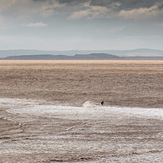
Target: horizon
[
  {"x": 82, "y": 49},
  {"x": 21, "y": 53}
]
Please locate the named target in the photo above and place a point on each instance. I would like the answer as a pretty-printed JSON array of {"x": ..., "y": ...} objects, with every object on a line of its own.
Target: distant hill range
[
  {"x": 93, "y": 56},
  {"x": 81, "y": 54}
]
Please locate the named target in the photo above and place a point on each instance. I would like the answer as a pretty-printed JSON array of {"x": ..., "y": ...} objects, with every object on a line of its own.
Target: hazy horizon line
[{"x": 83, "y": 49}]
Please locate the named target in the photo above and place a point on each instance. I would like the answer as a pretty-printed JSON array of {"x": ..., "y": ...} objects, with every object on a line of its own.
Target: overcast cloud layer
[{"x": 81, "y": 24}]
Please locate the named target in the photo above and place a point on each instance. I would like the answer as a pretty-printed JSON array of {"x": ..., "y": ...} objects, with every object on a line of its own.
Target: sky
[{"x": 81, "y": 24}]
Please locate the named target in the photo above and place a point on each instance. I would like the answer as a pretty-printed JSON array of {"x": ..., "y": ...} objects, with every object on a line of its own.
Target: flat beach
[{"x": 50, "y": 111}]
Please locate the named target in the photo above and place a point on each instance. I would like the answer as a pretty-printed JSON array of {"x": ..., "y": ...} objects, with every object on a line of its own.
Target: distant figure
[{"x": 102, "y": 103}]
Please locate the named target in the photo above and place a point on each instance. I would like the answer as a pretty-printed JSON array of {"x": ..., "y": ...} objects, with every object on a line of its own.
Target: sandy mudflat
[{"x": 50, "y": 112}]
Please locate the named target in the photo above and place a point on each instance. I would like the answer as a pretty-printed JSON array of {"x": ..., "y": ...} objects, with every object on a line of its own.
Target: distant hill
[
  {"x": 121, "y": 53},
  {"x": 37, "y": 57},
  {"x": 93, "y": 56}
]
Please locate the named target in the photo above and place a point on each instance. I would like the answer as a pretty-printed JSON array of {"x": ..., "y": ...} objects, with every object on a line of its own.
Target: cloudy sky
[{"x": 81, "y": 24}]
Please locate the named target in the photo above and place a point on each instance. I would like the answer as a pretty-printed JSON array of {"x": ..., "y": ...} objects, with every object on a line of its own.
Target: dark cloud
[
  {"x": 131, "y": 4},
  {"x": 127, "y": 4},
  {"x": 114, "y": 4},
  {"x": 67, "y": 2},
  {"x": 39, "y": 0},
  {"x": 71, "y": 1},
  {"x": 160, "y": 6}
]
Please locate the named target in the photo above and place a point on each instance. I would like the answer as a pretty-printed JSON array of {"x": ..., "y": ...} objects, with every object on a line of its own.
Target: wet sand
[{"x": 95, "y": 136}]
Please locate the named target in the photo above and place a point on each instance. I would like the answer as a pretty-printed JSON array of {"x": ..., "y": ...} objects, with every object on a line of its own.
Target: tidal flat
[{"x": 50, "y": 111}]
